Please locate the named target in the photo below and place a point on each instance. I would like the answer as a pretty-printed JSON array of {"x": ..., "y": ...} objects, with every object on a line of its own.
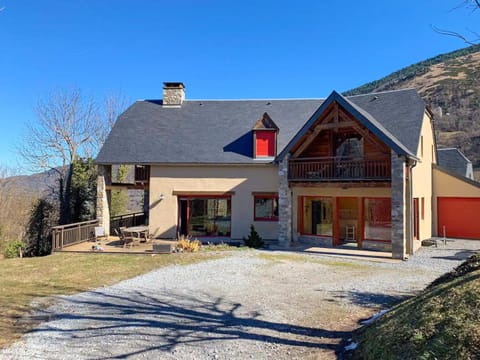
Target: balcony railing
[{"x": 339, "y": 169}]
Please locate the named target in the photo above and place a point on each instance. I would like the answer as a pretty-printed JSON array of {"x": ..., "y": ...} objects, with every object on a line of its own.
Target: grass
[
  {"x": 36, "y": 280},
  {"x": 441, "y": 323}
]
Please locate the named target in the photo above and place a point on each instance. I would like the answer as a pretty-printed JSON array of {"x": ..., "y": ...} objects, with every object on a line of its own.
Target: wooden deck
[{"x": 114, "y": 245}]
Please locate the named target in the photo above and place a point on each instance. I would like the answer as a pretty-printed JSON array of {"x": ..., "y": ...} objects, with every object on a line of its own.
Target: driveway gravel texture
[{"x": 247, "y": 305}]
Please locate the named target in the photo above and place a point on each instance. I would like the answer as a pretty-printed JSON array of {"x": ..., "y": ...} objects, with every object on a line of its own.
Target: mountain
[
  {"x": 450, "y": 85},
  {"x": 35, "y": 184}
]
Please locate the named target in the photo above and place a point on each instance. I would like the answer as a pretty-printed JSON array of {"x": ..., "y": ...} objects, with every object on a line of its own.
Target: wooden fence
[{"x": 66, "y": 235}]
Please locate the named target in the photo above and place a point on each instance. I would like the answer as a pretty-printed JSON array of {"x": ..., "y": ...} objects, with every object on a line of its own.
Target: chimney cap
[{"x": 173, "y": 85}]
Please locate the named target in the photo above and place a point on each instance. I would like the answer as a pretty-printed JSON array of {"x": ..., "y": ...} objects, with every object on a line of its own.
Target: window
[
  {"x": 349, "y": 147},
  {"x": 204, "y": 215},
  {"x": 266, "y": 207},
  {"x": 265, "y": 143},
  {"x": 378, "y": 219}
]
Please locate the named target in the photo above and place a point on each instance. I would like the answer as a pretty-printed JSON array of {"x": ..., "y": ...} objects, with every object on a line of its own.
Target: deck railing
[
  {"x": 66, "y": 235},
  {"x": 338, "y": 169},
  {"x": 127, "y": 220}
]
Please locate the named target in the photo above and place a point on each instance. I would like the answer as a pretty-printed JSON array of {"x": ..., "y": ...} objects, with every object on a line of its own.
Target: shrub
[
  {"x": 186, "y": 244},
  {"x": 253, "y": 240},
  {"x": 13, "y": 249}
]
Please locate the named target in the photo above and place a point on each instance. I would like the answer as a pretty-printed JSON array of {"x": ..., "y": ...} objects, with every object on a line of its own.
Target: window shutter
[{"x": 265, "y": 143}]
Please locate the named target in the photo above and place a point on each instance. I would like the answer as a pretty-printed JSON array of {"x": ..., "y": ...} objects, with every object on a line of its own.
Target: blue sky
[{"x": 219, "y": 49}]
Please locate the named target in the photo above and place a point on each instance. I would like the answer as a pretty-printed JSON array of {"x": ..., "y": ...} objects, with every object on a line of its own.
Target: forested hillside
[{"x": 450, "y": 85}]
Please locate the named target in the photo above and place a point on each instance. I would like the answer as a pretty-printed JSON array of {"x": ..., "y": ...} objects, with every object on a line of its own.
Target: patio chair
[
  {"x": 99, "y": 233},
  {"x": 125, "y": 239}
]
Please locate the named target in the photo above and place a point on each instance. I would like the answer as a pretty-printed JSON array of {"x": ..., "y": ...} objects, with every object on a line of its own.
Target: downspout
[{"x": 291, "y": 216}]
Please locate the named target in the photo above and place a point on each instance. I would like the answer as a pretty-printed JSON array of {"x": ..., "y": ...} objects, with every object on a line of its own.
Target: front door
[{"x": 315, "y": 216}]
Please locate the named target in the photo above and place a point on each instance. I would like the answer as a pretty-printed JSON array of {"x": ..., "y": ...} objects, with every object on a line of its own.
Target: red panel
[
  {"x": 265, "y": 143},
  {"x": 416, "y": 223},
  {"x": 460, "y": 216}
]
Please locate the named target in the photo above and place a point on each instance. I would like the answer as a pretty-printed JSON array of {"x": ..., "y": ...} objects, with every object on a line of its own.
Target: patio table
[{"x": 141, "y": 231}]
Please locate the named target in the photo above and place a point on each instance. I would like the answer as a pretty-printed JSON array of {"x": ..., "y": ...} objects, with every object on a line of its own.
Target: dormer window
[
  {"x": 265, "y": 138},
  {"x": 265, "y": 143}
]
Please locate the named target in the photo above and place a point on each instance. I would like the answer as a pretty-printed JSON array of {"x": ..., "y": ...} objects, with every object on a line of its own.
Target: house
[{"x": 357, "y": 169}]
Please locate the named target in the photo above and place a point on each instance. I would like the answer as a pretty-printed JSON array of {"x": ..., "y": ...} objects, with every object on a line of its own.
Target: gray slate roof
[
  {"x": 453, "y": 159},
  {"x": 219, "y": 131}
]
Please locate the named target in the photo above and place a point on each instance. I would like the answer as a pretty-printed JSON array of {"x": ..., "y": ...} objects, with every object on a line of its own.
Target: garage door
[{"x": 460, "y": 216}]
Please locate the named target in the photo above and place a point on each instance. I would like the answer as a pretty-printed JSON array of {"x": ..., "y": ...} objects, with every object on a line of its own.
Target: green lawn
[{"x": 28, "y": 280}]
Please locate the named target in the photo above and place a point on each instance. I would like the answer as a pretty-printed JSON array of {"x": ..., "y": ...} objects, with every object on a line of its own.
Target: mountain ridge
[{"x": 450, "y": 85}]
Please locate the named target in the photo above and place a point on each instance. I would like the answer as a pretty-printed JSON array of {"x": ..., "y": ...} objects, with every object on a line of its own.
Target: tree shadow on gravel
[
  {"x": 459, "y": 255},
  {"x": 370, "y": 299},
  {"x": 161, "y": 322}
]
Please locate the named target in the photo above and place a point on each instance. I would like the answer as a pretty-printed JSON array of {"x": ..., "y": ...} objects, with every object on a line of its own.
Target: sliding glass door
[{"x": 205, "y": 215}]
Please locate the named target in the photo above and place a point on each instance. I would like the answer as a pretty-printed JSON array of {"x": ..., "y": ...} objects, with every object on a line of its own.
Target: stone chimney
[{"x": 173, "y": 94}]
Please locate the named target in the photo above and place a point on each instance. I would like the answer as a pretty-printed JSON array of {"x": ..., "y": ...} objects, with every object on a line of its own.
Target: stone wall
[
  {"x": 103, "y": 208},
  {"x": 398, "y": 207},
  {"x": 376, "y": 245},
  {"x": 284, "y": 205}
]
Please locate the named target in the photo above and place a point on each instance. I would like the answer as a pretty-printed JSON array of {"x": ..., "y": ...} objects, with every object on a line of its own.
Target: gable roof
[
  {"x": 454, "y": 160},
  {"x": 265, "y": 123},
  {"x": 367, "y": 119},
  {"x": 220, "y": 131}
]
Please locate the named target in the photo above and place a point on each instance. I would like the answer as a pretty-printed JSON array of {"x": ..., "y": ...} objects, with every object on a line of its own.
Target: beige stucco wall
[
  {"x": 242, "y": 180},
  {"x": 333, "y": 191},
  {"x": 446, "y": 185},
  {"x": 422, "y": 179}
]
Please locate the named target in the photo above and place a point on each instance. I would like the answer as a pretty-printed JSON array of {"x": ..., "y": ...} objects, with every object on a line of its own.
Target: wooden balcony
[{"x": 339, "y": 169}]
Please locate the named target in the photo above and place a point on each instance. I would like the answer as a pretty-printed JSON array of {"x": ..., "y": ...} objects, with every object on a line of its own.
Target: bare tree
[
  {"x": 474, "y": 37},
  {"x": 66, "y": 122},
  {"x": 7, "y": 171},
  {"x": 113, "y": 105},
  {"x": 69, "y": 126}
]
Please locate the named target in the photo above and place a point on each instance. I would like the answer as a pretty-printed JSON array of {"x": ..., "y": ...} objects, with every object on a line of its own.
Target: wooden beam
[
  {"x": 367, "y": 135},
  {"x": 317, "y": 130}
]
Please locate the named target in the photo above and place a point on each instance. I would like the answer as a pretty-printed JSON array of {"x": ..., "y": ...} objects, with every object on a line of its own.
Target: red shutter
[{"x": 265, "y": 143}]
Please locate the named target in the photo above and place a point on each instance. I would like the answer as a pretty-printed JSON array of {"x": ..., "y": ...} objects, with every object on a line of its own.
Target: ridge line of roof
[
  {"x": 287, "y": 99},
  {"x": 266, "y": 99}
]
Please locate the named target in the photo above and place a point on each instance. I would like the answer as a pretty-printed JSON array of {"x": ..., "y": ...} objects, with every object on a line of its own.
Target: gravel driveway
[{"x": 248, "y": 305}]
